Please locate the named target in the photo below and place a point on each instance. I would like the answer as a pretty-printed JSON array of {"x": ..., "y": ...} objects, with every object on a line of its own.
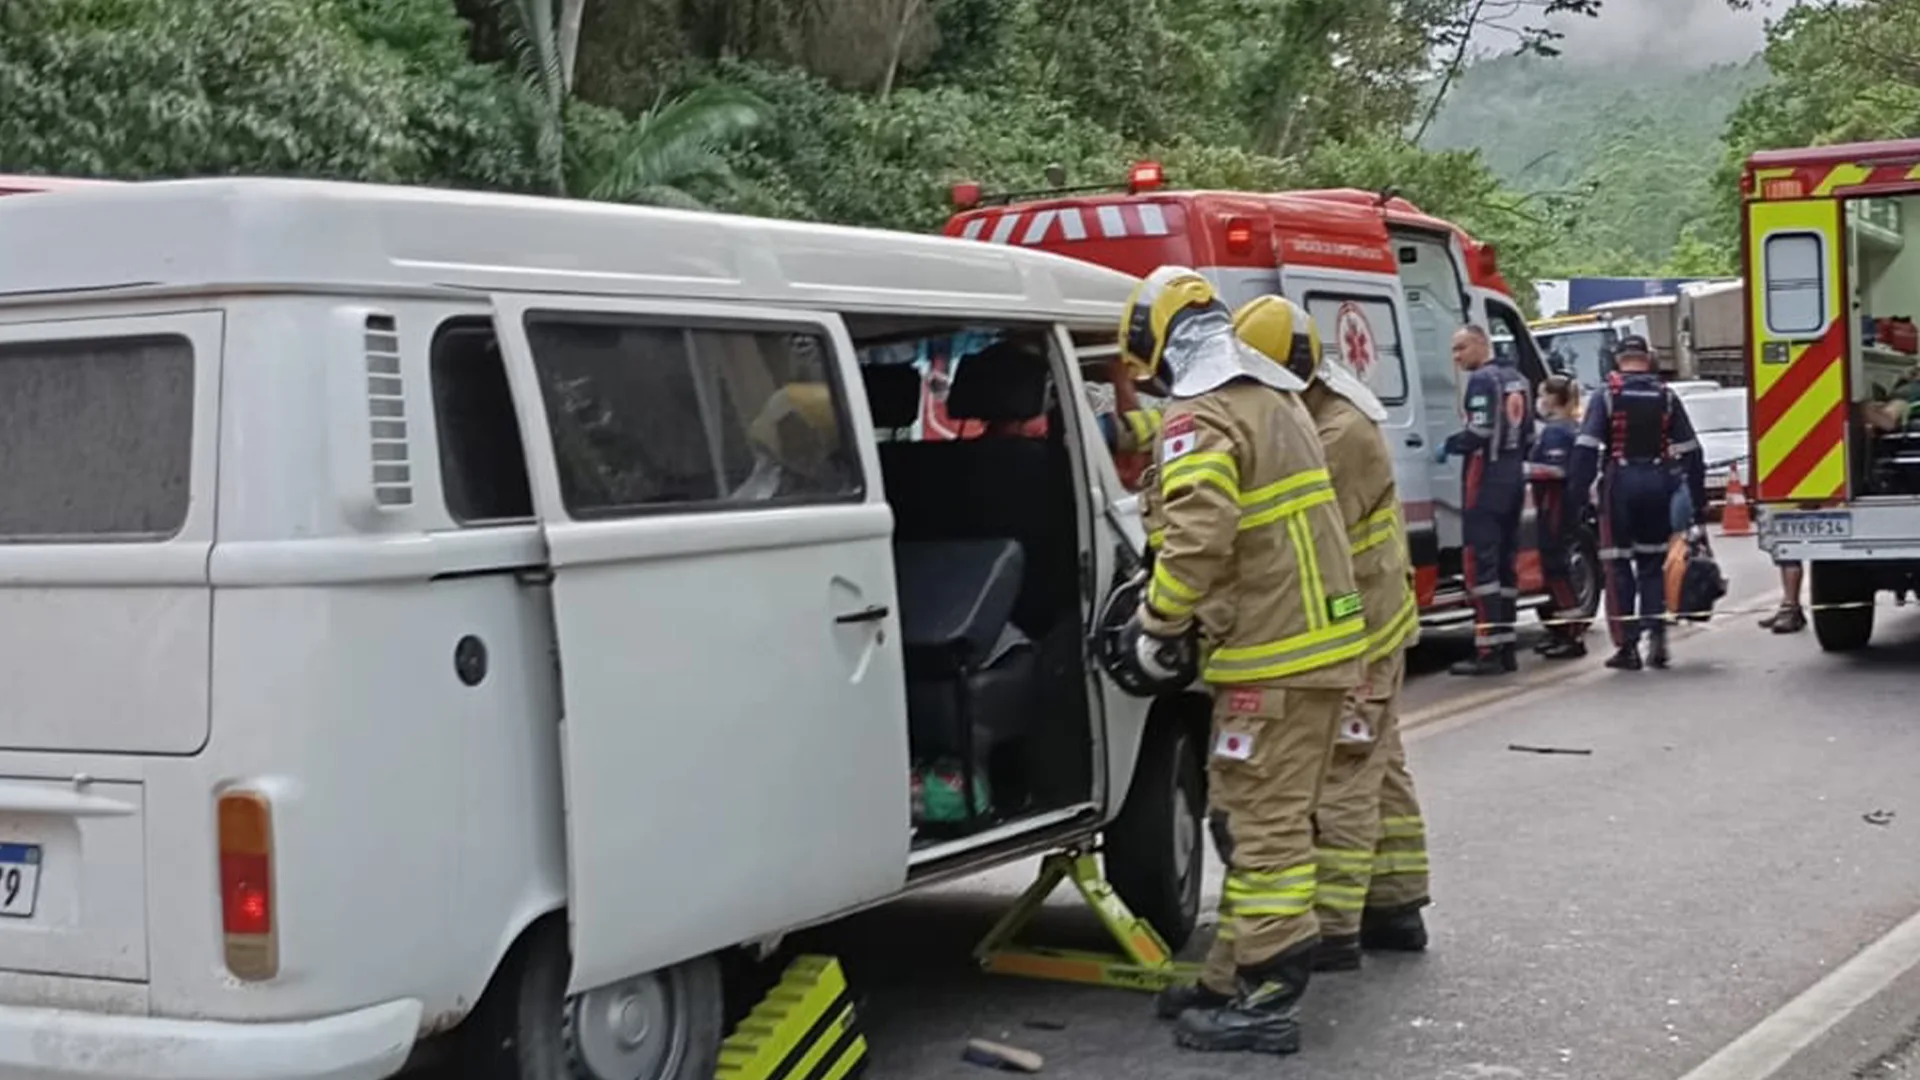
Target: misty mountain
[{"x": 1634, "y": 146}]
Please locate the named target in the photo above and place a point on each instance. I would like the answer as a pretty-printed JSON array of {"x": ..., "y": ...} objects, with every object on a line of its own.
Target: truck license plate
[
  {"x": 1832, "y": 524},
  {"x": 19, "y": 879}
]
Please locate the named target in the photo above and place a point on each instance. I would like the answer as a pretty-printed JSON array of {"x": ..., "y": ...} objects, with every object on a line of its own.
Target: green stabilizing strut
[{"x": 1144, "y": 963}]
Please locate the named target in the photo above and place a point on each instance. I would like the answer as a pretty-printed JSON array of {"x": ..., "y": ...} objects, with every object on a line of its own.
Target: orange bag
[{"x": 1676, "y": 570}]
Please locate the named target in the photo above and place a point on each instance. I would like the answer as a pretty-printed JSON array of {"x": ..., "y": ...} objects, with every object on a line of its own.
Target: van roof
[{"x": 300, "y": 235}]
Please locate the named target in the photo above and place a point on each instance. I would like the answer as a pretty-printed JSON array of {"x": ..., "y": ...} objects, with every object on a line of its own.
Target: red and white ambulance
[{"x": 1387, "y": 284}]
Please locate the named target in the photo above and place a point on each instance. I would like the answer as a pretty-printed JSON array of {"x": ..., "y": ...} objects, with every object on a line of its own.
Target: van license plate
[
  {"x": 1836, "y": 524},
  {"x": 19, "y": 879}
]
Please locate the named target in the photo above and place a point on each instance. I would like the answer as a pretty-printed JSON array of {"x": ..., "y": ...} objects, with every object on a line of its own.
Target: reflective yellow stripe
[
  {"x": 1168, "y": 595},
  {"x": 1156, "y": 538},
  {"x": 1389, "y": 863},
  {"x": 1401, "y": 828},
  {"x": 1344, "y": 860},
  {"x": 1312, "y": 598},
  {"x": 1384, "y": 640},
  {"x": 1343, "y": 640},
  {"x": 1210, "y": 467},
  {"x": 1341, "y": 897},
  {"x": 1288, "y": 892},
  {"x": 1375, "y": 529},
  {"x": 1140, "y": 425},
  {"x": 1271, "y": 511}
]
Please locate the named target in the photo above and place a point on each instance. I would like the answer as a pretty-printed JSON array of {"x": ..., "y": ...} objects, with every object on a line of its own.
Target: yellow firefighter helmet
[
  {"x": 1157, "y": 306},
  {"x": 1282, "y": 331}
]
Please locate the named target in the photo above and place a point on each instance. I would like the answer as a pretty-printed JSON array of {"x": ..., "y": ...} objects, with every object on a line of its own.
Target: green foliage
[
  {"x": 669, "y": 149},
  {"x": 317, "y": 88}
]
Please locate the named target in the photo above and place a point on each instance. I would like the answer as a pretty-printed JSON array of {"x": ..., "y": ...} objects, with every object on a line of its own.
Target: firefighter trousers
[
  {"x": 1490, "y": 526},
  {"x": 1358, "y": 804},
  {"x": 1269, "y": 759},
  {"x": 1638, "y": 500}
]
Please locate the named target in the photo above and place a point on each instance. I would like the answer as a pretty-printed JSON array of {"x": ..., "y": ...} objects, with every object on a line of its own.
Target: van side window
[
  {"x": 483, "y": 467},
  {"x": 646, "y": 415},
  {"x": 1364, "y": 331},
  {"x": 96, "y": 438}
]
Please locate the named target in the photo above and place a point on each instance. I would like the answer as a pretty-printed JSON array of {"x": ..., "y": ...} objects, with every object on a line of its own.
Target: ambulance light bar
[
  {"x": 966, "y": 195},
  {"x": 1145, "y": 176}
]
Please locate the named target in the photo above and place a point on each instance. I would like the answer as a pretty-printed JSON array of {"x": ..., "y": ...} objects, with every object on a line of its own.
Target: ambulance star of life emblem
[{"x": 1356, "y": 338}]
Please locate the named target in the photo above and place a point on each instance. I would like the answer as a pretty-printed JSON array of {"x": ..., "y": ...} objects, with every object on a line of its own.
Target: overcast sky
[{"x": 1694, "y": 32}]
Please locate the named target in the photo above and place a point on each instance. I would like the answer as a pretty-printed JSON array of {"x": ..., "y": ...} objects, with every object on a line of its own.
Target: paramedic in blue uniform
[
  {"x": 1493, "y": 478},
  {"x": 1637, "y": 436}
]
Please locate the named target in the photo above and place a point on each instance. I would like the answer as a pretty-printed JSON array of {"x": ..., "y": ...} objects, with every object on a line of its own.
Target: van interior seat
[
  {"x": 992, "y": 486},
  {"x": 969, "y": 669}
]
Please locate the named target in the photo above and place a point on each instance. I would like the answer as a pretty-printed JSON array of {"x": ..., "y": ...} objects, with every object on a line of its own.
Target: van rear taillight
[{"x": 246, "y": 884}]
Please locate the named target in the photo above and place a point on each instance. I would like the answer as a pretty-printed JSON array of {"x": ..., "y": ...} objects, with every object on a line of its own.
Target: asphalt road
[{"x": 1625, "y": 914}]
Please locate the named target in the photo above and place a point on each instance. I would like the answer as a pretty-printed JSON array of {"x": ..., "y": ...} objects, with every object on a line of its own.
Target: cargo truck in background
[
  {"x": 1696, "y": 332},
  {"x": 1831, "y": 250}
]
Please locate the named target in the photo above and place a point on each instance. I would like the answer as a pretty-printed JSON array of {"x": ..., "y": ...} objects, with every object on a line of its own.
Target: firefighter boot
[
  {"x": 1263, "y": 1018},
  {"x": 1657, "y": 655},
  {"x": 1487, "y": 662},
  {"x": 1394, "y": 929},
  {"x": 1168, "y": 1004},
  {"x": 1340, "y": 952}
]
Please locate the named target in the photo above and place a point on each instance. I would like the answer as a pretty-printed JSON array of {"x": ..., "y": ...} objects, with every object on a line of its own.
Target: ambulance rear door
[
  {"x": 734, "y": 740},
  {"x": 1437, "y": 305},
  {"x": 1362, "y": 319}
]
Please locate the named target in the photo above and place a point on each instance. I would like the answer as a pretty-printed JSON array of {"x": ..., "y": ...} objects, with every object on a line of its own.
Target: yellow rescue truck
[{"x": 1832, "y": 262}]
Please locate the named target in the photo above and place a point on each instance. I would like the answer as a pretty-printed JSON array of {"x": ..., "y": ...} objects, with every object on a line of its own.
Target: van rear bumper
[{"x": 65, "y": 1044}]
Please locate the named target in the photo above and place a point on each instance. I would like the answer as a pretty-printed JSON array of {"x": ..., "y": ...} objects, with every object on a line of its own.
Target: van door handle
[
  {"x": 872, "y": 614},
  {"x": 1415, "y": 440}
]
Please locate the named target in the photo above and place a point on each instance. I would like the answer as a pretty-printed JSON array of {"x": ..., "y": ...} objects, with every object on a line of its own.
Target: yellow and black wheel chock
[
  {"x": 804, "y": 1029},
  {"x": 1145, "y": 963}
]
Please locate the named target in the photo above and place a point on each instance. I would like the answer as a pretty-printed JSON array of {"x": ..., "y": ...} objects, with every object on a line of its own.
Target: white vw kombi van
[{"x": 427, "y": 613}]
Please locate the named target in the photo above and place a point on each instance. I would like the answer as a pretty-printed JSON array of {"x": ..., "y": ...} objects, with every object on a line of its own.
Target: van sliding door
[{"x": 734, "y": 742}]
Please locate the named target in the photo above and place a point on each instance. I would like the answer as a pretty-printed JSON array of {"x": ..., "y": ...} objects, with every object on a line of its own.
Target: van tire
[
  {"x": 1155, "y": 851},
  {"x": 1846, "y": 629},
  {"x": 522, "y": 1029}
]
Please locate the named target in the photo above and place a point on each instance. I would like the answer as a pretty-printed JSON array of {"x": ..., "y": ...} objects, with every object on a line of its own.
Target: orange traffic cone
[{"x": 1737, "y": 518}]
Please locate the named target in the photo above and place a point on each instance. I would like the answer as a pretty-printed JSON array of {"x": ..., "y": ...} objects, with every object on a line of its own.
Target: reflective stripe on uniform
[
  {"x": 1170, "y": 596},
  {"x": 1344, "y": 860},
  {"x": 1389, "y": 863},
  {"x": 1312, "y": 595},
  {"x": 1206, "y": 467},
  {"x": 1341, "y": 897},
  {"x": 1294, "y": 495},
  {"x": 1144, "y": 424},
  {"x": 1375, "y": 529},
  {"x": 1156, "y": 538},
  {"x": 1402, "y": 828},
  {"x": 1383, "y": 640},
  {"x": 1343, "y": 640},
  {"x": 1283, "y": 894}
]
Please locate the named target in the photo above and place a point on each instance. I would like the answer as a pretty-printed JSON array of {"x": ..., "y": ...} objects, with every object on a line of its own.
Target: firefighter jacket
[
  {"x": 1251, "y": 543},
  {"x": 1362, "y": 469}
]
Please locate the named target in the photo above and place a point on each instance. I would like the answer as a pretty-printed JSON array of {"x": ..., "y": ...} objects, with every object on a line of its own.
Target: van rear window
[{"x": 96, "y": 438}]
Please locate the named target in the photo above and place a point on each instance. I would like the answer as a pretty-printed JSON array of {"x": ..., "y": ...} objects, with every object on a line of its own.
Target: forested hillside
[
  {"x": 1633, "y": 155},
  {"x": 864, "y": 111}
]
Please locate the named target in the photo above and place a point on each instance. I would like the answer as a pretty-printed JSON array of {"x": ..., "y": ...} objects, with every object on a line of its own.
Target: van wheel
[
  {"x": 665, "y": 1025},
  {"x": 1154, "y": 853},
  {"x": 1841, "y": 629}
]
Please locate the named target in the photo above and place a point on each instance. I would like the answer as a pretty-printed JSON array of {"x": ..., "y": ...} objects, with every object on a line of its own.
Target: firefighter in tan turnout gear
[
  {"x": 1253, "y": 548},
  {"x": 1371, "y": 839}
]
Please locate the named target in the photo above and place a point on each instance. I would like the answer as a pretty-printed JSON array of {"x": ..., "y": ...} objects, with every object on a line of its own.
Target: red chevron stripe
[
  {"x": 1780, "y": 481},
  {"x": 1799, "y": 378}
]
